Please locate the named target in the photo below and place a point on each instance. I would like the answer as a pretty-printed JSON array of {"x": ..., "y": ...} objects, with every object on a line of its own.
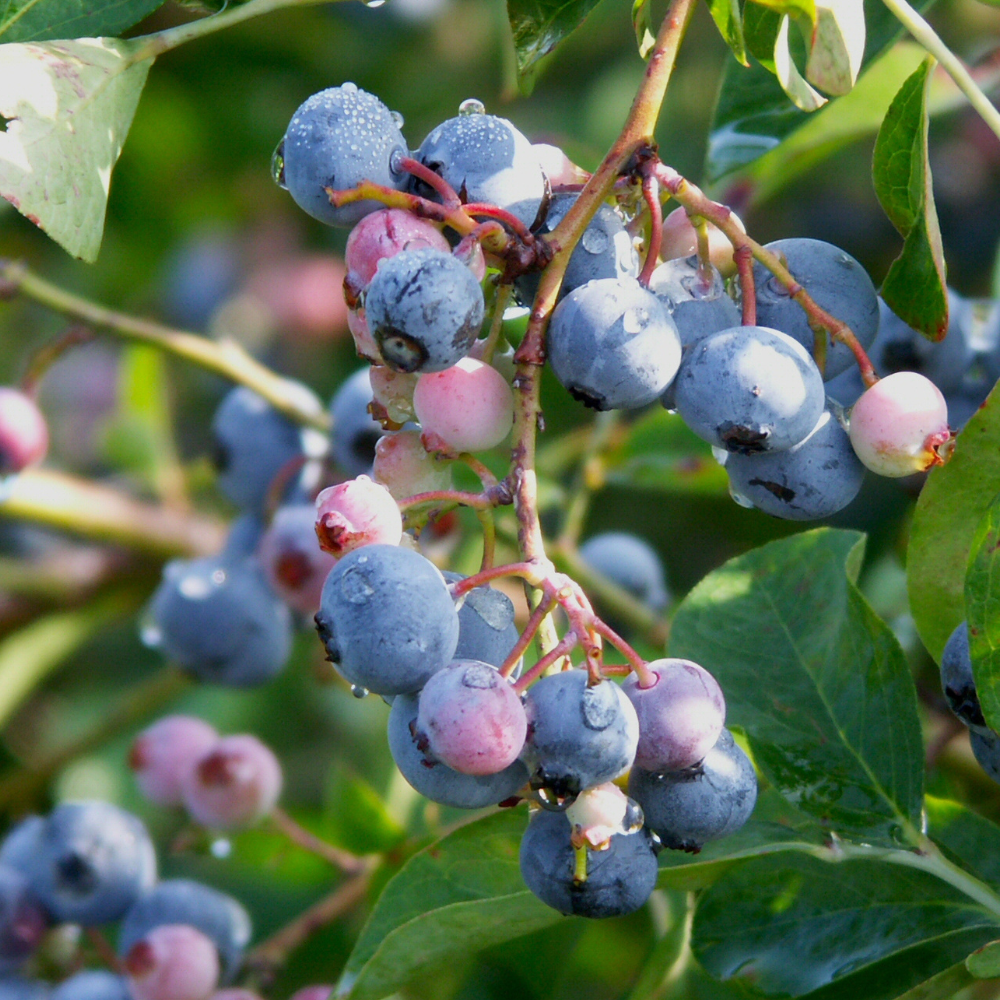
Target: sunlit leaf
[{"x": 40, "y": 20}]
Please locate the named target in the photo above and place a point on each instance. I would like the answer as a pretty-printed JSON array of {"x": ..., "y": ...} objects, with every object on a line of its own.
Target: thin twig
[{"x": 347, "y": 862}]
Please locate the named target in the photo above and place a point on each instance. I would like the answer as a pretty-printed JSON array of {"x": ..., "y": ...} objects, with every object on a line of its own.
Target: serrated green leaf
[
  {"x": 914, "y": 288},
  {"x": 951, "y": 505},
  {"x": 729, "y": 20},
  {"x": 41, "y": 20},
  {"x": 982, "y": 609},
  {"x": 539, "y": 26},
  {"x": 815, "y": 679},
  {"x": 857, "y": 930},
  {"x": 837, "y": 45},
  {"x": 70, "y": 105},
  {"x": 459, "y": 895}
]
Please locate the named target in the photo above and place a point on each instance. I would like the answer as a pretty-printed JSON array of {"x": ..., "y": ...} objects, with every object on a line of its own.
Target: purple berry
[{"x": 165, "y": 752}]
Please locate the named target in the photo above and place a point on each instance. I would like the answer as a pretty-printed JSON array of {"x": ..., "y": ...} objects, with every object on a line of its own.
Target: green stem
[
  {"x": 225, "y": 357},
  {"x": 929, "y": 39}
]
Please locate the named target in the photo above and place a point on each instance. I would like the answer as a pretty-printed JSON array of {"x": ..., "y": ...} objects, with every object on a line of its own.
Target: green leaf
[
  {"x": 914, "y": 288},
  {"x": 355, "y": 817},
  {"x": 540, "y": 25},
  {"x": 70, "y": 105},
  {"x": 670, "y": 912},
  {"x": 39, "y": 20},
  {"x": 856, "y": 930},
  {"x": 794, "y": 84},
  {"x": 837, "y": 45},
  {"x": 729, "y": 20},
  {"x": 982, "y": 609},
  {"x": 984, "y": 963},
  {"x": 815, "y": 679},
  {"x": 459, "y": 895},
  {"x": 951, "y": 505},
  {"x": 968, "y": 840},
  {"x": 660, "y": 452},
  {"x": 793, "y": 8},
  {"x": 644, "y": 36}
]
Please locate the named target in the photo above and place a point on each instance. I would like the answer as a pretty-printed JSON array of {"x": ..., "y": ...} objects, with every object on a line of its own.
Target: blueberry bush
[{"x": 517, "y": 668}]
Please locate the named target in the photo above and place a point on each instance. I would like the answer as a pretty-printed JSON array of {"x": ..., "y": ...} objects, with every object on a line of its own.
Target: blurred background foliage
[{"x": 199, "y": 235}]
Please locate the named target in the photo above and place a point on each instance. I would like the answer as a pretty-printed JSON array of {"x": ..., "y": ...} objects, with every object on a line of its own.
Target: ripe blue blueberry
[
  {"x": 986, "y": 750},
  {"x": 486, "y": 629},
  {"x": 336, "y": 139},
  {"x": 957, "y": 681},
  {"x": 21, "y": 844},
  {"x": 355, "y": 431},
  {"x": 612, "y": 345},
  {"x": 92, "y": 984},
  {"x": 18, "y": 988},
  {"x": 630, "y": 562},
  {"x": 698, "y": 307},
  {"x": 424, "y": 309},
  {"x": 387, "y": 619}
]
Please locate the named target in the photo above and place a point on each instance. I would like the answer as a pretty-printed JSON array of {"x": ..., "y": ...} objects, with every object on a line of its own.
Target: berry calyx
[{"x": 356, "y": 513}]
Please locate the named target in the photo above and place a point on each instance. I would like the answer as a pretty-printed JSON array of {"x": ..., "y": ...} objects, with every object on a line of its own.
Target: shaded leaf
[
  {"x": 815, "y": 679},
  {"x": 70, "y": 105},
  {"x": 355, "y": 817},
  {"x": 968, "y": 840},
  {"x": 984, "y": 963},
  {"x": 951, "y": 505},
  {"x": 729, "y": 20},
  {"x": 540, "y": 25},
  {"x": 942, "y": 986},
  {"x": 982, "y": 609},
  {"x": 837, "y": 45},
  {"x": 40, "y": 20},
  {"x": 794, "y": 84},
  {"x": 667, "y": 948},
  {"x": 792, "y": 925},
  {"x": 914, "y": 288},
  {"x": 459, "y": 895}
]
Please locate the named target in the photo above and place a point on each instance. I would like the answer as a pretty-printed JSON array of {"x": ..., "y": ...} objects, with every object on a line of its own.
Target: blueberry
[
  {"x": 630, "y": 562},
  {"x": 92, "y": 984},
  {"x": 17, "y": 988},
  {"x": 23, "y": 922},
  {"x": 578, "y": 735},
  {"x": 387, "y": 619},
  {"x": 93, "y": 862},
  {"x": 355, "y": 431},
  {"x": 986, "y": 750},
  {"x": 612, "y": 345},
  {"x": 957, "y": 682},
  {"x": 814, "y": 478},
  {"x": 619, "y": 879},
  {"x": 749, "y": 389},
  {"x": 424, "y": 309},
  {"x": 21, "y": 843},
  {"x": 686, "y": 809},
  {"x": 485, "y": 159},
  {"x": 336, "y": 139},
  {"x": 184, "y": 901},
  {"x": 836, "y": 282},
  {"x": 697, "y": 308},
  {"x": 438, "y": 782},
  {"x": 220, "y": 620},
  {"x": 486, "y": 629}
]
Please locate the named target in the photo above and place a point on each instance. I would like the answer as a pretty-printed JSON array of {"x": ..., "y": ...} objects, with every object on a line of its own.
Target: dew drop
[
  {"x": 471, "y": 106},
  {"x": 358, "y": 691},
  {"x": 150, "y": 634},
  {"x": 635, "y": 320},
  {"x": 278, "y": 165},
  {"x": 373, "y": 4},
  {"x": 221, "y": 847},
  {"x": 741, "y": 499},
  {"x": 397, "y": 119},
  {"x": 595, "y": 240}
]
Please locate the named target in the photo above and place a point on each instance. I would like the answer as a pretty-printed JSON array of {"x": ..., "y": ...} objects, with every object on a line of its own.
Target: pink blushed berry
[
  {"x": 469, "y": 406},
  {"x": 355, "y": 513},
  {"x": 364, "y": 342},
  {"x": 24, "y": 435},
  {"x": 404, "y": 468},
  {"x": 681, "y": 240},
  {"x": 234, "y": 993},
  {"x": 294, "y": 563},
  {"x": 393, "y": 392},
  {"x": 383, "y": 234},
  {"x": 235, "y": 784},
  {"x": 165, "y": 752},
  {"x": 173, "y": 962},
  {"x": 558, "y": 167},
  {"x": 899, "y": 425}
]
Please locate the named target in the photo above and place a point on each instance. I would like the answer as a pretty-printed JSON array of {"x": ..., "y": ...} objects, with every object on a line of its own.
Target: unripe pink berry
[
  {"x": 313, "y": 993},
  {"x": 680, "y": 716},
  {"x": 355, "y": 513},
  {"x": 469, "y": 406},
  {"x": 364, "y": 342},
  {"x": 393, "y": 391},
  {"x": 304, "y": 294},
  {"x": 472, "y": 718},
  {"x": 470, "y": 253},
  {"x": 234, "y": 784},
  {"x": 558, "y": 167},
  {"x": 404, "y": 468},
  {"x": 164, "y": 753},
  {"x": 899, "y": 425},
  {"x": 383, "y": 234},
  {"x": 598, "y": 813},
  {"x": 502, "y": 360},
  {"x": 24, "y": 435},
  {"x": 681, "y": 240},
  {"x": 172, "y": 962},
  {"x": 235, "y": 993},
  {"x": 294, "y": 563}
]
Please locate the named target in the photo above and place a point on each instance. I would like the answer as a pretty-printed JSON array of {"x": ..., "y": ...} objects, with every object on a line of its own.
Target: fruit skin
[
  {"x": 619, "y": 879},
  {"x": 355, "y": 431},
  {"x": 424, "y": 309},
  {"x": 162, "y": 753},
  {"x": 19, "y": 988},
  {"x": 986, "y": 750},
  {"x": 485, "y": 159},
  {"x": 387, "y": 619},
  {"x": 24, "y": 435},
  {"x": 630, "y": 562},
  {"x": 814, "y": 478},
  {"x": 472, "y": 718},
  {"x": 23, "y": 922},
  {"x": 749, "y": 389},
  {"x": 957, "y": 681},
  {"x": 404, "y": 467},
  {"x": 686, "y": 809},
  {"x": 221, "y": 621},
  {"x": 384, "y": 234},
  {"x": 219, "y": 917},
  {"x": 93, "y": 861},
  {"x": 578, "y": 736},
  {"x": 92, "y": 984},
  {"x": 354, "y": 514},
  {"x": 290, "y": 555},
  {"x": 22, "y": 842},
  {"x": 612, "y": 344},
  {"x": 836, "y": 282},
  {"x": 338, "y": 138},
  {"x": 173, "y": 962},
  {"x": 680, "y": 716},
  {"x": 437, "y": 781},
  {"x": 486, "y": 628},
  {"x": 898, "y": 425},
  {"x": 697, "y": 310},
  {"x": 680, "y": 240},
  {"x": 235, "y": 784},
  {"x": 469, "y": 406}
]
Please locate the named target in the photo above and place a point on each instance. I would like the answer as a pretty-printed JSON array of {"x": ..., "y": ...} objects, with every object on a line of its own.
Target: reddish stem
[
  {"x": 744, "y": 266},
  {"x": 477, "y": 208},
  {"x": 47, "y": 356},
  {"x": 478, "y": 501},
  {"x": 651, "y": 194},
  {"x": 526, "y": 570},
  {"x": 347, "y": 862},
  {"x": 544, "y": 607},
  {"x": 432, "y": 179},
  {"x": 638, "y": 664},
  {"x": 562, "y": 648},
  {"x": 423, "y": 208}
]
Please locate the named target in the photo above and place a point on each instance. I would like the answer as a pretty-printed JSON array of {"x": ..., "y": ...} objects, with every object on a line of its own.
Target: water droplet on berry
[
  {"x": 741, "y": 499},
  {"x": 720, "y": 455},
  {"x": 278, "y": 165},
  {"x": 595, "y": 240},
  {"x": 471, "y": 106},
  {"x": 358, "y": 691},
  {"x": 397, "y": 119}
]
